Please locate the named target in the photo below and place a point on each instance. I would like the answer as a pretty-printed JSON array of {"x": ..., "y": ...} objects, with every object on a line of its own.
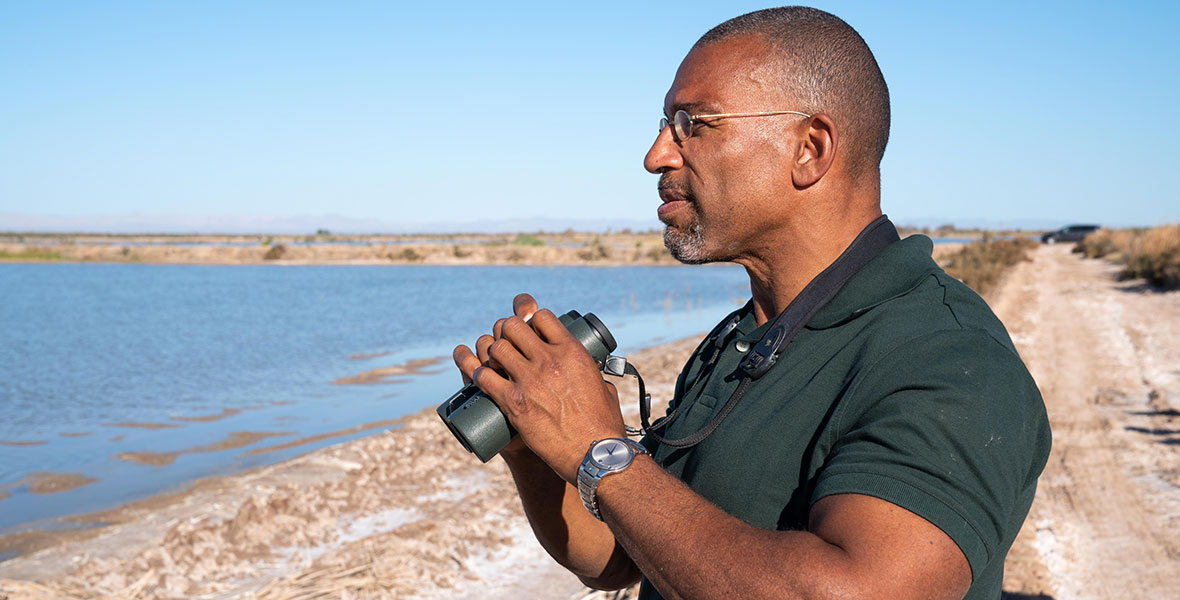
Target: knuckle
[
  {"x": 513, "y": 325},
  {"x": 517, "y": 401},
  {"x": 544, "y": 314},
  {"x": 498, "y": 348}
]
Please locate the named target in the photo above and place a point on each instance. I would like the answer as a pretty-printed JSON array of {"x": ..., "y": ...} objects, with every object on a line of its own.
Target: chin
[{"x": 687, "y": 247}]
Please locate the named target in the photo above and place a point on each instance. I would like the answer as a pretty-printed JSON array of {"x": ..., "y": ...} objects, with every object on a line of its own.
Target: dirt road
[{"x": 1106, "y": 355}]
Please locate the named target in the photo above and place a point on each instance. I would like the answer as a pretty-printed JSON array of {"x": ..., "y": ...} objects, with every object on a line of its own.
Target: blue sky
[{"x": 466, "y": 113}]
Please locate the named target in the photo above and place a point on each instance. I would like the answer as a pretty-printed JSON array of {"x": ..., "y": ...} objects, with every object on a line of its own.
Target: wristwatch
[{"x": 604, "y": 457}]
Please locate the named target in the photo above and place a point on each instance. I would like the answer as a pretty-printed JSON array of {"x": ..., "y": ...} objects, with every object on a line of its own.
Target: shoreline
[
  {"x": 438, "y": 513},
  {"x": 541, "y": 249}
]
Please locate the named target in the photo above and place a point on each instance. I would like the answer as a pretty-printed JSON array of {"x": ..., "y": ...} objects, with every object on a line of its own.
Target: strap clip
[{"x": 615, "y": 365}]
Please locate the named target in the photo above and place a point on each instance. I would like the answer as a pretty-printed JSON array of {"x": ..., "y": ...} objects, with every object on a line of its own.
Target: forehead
[{"x": 735, "y": 74}]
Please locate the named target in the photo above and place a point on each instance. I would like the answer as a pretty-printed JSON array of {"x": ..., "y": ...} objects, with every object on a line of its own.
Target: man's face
[{"x": 723, "y": 186}]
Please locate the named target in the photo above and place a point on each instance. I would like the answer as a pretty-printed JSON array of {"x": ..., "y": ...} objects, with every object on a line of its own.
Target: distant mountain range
[{"x": 309, "y": 224}]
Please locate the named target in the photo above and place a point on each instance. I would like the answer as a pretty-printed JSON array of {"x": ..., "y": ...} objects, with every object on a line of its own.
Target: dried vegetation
[
  {"x": 1152, "y": 254},
  {"x": 981, "y": 264}
]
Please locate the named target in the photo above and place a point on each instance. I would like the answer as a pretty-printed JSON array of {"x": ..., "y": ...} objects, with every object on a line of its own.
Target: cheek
[
  {"x": 757, "y": 171},
  {"x": 738, "y": 175}
]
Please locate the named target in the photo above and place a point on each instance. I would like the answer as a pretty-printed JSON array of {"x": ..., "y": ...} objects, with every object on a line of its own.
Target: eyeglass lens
[{"x": 681, "y": 125}]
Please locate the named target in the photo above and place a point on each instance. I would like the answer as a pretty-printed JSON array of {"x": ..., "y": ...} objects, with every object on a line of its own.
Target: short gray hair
[{"x": 829, "y": 68}]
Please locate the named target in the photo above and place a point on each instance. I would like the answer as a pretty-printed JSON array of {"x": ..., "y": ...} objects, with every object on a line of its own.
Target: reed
[
  {"x": 981, "y": 264},
  {"x": 1147, "y": 253}
]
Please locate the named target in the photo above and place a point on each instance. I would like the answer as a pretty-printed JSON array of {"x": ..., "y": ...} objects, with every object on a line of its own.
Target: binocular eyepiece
[{"x": 477, "y": 422}]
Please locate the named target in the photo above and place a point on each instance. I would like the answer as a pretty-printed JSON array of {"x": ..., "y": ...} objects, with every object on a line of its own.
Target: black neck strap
[{"x": 818, "y": 292}]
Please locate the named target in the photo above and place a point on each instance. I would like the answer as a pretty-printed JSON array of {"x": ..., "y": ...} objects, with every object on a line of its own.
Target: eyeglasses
[{"x": 682, "y": 122}]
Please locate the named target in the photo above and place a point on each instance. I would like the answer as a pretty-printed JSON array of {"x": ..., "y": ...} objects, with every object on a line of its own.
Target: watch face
[{"x": 611, "y": 454}]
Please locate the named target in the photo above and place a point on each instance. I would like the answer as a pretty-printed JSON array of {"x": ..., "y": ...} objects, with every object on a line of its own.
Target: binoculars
[{"x": 477, "y": 422}]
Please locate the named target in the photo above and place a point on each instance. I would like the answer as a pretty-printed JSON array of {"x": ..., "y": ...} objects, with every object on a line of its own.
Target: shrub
[
  {"x": 980, "y": 265},
  {"x": 1152, "y": 254},
  {"x": 594, "y": 251},
  {"x": 1108, "y": 243},
  {"x": 408, "y": 254},
  {"x": 527, "y": 240},
  {"x": 275, "y": 252}
]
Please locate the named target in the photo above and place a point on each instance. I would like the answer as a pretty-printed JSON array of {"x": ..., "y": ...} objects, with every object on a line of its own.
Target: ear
[{"x": 816, "y": 151}]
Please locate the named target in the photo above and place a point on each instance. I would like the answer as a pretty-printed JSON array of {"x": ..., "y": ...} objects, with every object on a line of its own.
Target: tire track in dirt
[{"x": 1106, "y": 354}]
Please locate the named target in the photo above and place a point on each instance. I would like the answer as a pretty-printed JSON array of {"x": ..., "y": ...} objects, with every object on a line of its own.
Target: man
[{"x": 892, "y": 451}]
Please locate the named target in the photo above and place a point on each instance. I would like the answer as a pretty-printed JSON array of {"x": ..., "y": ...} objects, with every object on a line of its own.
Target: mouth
[{"x": 673, "y": 201}]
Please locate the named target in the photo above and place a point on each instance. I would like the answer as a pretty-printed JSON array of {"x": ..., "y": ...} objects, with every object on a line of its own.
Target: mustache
[{"x": 666, "y": 183}]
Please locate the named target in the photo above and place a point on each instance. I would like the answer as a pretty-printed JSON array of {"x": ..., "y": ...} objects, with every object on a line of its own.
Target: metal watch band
[{"x": 589, "y": 474}]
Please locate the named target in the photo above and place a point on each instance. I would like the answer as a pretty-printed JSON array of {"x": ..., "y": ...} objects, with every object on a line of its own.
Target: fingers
[
  {"x": 521, "y": 340},
  {"x": 466, "y": 361},
  {"x": 523, "y": 306},
  {"x": 481, "y": 347},
  {"x": 516, "y": 331},
  {"x": 492, "y": 383},
  {"x": 549, "y": 326},
  {"x": 505, "y": 354}
]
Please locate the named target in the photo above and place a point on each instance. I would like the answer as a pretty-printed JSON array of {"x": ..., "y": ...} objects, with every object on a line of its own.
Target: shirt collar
[
  {"x": 895, "y": 271},
  {"x": 899, "y": 268}
]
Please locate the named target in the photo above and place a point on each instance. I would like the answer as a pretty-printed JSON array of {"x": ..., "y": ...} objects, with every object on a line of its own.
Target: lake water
[{"x": 141, "y": 378}]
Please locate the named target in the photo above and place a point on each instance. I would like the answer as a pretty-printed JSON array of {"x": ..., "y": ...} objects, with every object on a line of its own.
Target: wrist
[
  {"x": 514, "y": 454},
  {"x": 609, "y": 486},
  {"x": 605, "y": 458}
]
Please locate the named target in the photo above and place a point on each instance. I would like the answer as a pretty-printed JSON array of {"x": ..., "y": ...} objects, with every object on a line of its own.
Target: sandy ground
[
  {"x": 1106, "y": 355},
  {"x": 408, "y": 514}
]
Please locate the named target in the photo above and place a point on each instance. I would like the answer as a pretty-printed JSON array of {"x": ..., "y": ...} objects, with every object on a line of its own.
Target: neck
[{"x": 780, "y": 273}]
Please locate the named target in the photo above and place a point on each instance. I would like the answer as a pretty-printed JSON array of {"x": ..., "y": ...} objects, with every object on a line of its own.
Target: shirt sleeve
[{"x": 951, "y": 427}]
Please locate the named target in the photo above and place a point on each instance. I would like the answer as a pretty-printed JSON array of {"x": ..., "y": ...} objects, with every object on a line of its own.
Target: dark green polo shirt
[{"x": 904, "y": 387}]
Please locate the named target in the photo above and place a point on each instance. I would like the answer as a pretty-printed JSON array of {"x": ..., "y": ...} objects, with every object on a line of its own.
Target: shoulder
[
  {"x": 942, "y": 336},
  {"x": 937, "y": 310}
]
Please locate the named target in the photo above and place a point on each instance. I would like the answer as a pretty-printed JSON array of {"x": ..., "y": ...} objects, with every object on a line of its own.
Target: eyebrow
[{"x": 691, "y": 108}]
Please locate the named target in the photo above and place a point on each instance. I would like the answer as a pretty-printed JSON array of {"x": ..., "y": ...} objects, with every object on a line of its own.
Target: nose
[{"x": 664, "y": 154}]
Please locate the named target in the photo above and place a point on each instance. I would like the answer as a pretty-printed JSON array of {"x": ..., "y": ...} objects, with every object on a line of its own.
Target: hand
[
  {"x": 547, "y": 384},
  {"x": 523, "y": 306}
]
